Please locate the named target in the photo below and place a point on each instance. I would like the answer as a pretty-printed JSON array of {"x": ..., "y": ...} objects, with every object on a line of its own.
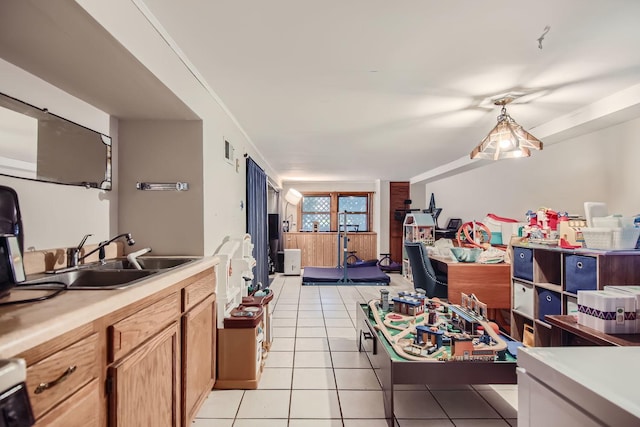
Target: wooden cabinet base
[
  {"x": 146, "y": 383},
  {"x": 239, "y": 358}
]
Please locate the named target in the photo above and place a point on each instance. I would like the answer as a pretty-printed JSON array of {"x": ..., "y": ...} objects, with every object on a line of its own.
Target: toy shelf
[
  {"x": 545, "y": 281},
  {"x": 232, "y": 274}
]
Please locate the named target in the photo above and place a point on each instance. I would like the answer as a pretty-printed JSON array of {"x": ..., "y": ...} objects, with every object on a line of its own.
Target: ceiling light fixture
[{"x": 507, "y": 139}]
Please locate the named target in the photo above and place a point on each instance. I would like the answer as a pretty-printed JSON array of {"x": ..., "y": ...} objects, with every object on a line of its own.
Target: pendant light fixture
[{"x": 507, "y": 139}]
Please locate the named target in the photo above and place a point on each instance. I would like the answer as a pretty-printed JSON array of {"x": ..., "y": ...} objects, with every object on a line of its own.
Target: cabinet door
[
  {"x": 146, "y": 384},
  {"x": 79, "y": 410},
  {"x": 198, "y": 364}
]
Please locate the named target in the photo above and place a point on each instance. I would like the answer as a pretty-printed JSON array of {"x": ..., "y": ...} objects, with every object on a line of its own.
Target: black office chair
[{"x": 424, "y": 276}]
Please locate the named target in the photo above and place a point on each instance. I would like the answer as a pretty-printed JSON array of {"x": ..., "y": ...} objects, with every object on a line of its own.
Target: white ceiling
[
  {"x": 59, "y": 42},
  {"x": 348, "y": 90},
  {"x": 368, "y": 89}
]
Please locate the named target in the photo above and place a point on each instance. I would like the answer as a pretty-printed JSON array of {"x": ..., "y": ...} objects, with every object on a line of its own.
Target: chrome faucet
[{"x": 73, "y": 254}]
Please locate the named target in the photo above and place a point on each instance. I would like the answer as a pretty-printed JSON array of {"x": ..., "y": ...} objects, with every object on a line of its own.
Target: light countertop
[
  {"x": 603, "y": 380},
  {"x": 25, "y": 326}
]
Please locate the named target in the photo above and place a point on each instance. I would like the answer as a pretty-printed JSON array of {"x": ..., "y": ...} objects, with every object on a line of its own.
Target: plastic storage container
[
  {"x": 549, "y": 302},
  {"x": 581, "y": 273},
  {"x": 523, "y": 263},
  {"x": 523, "y": 297}
]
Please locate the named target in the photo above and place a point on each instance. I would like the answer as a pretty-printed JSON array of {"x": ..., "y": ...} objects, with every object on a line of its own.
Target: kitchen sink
[
  {"x": 89, "y": 279},
  {"x": 147, "y": 263}
]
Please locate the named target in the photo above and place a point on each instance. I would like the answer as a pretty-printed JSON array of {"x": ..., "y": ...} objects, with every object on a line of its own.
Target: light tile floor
[{"x": 314, "y": 375}]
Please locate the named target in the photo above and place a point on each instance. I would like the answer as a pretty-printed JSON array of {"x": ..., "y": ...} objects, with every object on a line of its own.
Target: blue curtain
[{"x": 257, "y": 221}]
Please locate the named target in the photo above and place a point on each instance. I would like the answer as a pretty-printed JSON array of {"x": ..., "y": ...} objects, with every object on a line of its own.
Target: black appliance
[
  {"x": 11, "y": 241},
  {"x": 274, "y": 226},
  {"x": 15, "y": 408},
  {"x": 10, "y": 218},
  {"x": 11, "y": 266}
]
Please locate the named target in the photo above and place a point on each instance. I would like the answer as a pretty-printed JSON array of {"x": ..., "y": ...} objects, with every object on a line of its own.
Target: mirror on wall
[{"x": 38, "y": 145}]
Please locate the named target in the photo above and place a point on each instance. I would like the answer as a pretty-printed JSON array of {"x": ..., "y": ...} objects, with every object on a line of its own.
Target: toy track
[{"x": 383, "y": 325}]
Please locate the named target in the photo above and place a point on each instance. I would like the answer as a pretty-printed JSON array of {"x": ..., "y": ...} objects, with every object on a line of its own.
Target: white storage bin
[
  {"x": 598, "y": 237},
  {"x": 608, "y": 312},
  {"x": 629, "y": 290},
  {"x": 625, "y": 238},
  {"x": 523, "y": 297}
]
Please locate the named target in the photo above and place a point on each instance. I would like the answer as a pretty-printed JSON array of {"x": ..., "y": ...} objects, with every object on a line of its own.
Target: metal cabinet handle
[
  {"x": 549, "y": 298},
  {"x": 579, "y": 264},
  {"x": 44, "y": 386},
  {"x": 521, "y": 255}
]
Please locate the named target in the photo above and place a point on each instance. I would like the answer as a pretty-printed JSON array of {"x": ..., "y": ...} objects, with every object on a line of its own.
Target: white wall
[
  {"x": 170, "y": 222},
  {"x": 223, "y": 184},
  {"x": 58, "y": 215},
  {"x": 599, "y": 166}
]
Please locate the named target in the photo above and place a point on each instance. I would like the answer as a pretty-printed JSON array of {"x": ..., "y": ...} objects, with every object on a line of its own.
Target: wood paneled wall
[
  {"x": 398, "y": 193},
  {"x": 321, "y": 249}
]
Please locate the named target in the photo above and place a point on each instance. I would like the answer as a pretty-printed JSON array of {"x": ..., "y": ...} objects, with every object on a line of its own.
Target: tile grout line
[{"x": 333, "y": 369}]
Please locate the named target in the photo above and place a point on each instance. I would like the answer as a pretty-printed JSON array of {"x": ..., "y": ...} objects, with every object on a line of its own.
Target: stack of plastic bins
[{"x": 240, "y": 349}]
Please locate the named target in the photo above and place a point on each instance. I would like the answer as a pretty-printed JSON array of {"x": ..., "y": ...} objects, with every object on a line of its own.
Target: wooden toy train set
[{"x": 427, "y": 329}]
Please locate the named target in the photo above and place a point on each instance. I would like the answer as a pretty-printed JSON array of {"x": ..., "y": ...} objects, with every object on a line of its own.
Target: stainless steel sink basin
[
  {"x": 90, "y": 279},
  {"x": 147, "y": 263}
]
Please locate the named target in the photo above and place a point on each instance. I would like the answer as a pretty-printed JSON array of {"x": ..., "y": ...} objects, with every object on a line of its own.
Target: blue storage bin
[
  {"x": 523, "y": 263},
  {"x": 581, "y": 273},
  {"x": 549, "y": 302}
]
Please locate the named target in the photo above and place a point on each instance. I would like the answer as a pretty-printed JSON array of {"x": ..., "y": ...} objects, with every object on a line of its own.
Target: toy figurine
[
  {"x": 384, "y": 299},
  {"x": 532, "y": 217}
]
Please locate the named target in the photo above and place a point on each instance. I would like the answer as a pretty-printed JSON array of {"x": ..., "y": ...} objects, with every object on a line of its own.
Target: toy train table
[{"x": 417, "y": 340}]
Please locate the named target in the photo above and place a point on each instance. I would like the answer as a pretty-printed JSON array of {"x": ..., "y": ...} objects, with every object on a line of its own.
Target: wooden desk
[
  {"x": 489, "y": 282},
  {"x": 566, "y": 331}
]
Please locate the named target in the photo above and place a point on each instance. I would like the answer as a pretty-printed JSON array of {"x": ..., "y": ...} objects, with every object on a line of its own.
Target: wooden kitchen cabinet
[
  {"x": 56, "y": 377},
  {"x": 79, "y": 410},
  {"x": 198, "y": 356},
  {"x": 145, "y": 383},
  {"x": 148, "y": 361},
  {"x": 144, "y": 378}
]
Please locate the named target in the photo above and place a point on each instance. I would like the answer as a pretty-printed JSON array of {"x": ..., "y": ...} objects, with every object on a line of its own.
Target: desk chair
[{"x": 424, "y": 276}]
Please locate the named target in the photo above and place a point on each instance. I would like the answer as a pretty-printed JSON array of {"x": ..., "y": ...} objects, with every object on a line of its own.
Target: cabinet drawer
[
  {"x": 135, "y": 329},
  {"x": 80, "y": 410},
  {"x": 56, "y": 377},
  {"x": 197, "y": 291},
  {"x": 523, "y": 297},
  {"x": 581, "y": 273},
  {"x": 523, "y": 263},
  {"x": 549, "y": 302}
]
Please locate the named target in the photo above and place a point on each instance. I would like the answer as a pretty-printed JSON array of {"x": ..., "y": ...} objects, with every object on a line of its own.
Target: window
[
  {"x": 356, "y": 210},
  {"x": 316, "y": 209},
  {"x": 327, "y": 209}
]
